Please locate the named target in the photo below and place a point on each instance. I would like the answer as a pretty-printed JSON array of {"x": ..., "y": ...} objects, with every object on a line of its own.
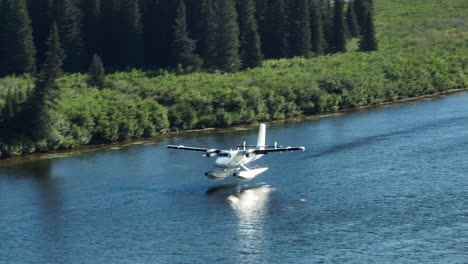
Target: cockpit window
[{"x": 225, "y": 155}]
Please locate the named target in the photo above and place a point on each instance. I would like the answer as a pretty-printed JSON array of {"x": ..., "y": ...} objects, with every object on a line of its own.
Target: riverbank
[
  {"x": 421, "y": 54},
  {"x": 153, "y": 140}
]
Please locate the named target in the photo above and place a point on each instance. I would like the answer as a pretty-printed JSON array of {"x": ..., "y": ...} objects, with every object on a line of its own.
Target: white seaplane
[{"x": 231, "y": 162}]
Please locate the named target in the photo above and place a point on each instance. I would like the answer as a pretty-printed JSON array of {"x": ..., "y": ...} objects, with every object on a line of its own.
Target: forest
[
  {"x": 93, "y": 72},
  {"x": 188, "y": 35}
]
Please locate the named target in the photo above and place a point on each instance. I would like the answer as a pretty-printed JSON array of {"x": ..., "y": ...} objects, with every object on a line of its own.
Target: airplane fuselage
[{"x": 235, "y": 158}]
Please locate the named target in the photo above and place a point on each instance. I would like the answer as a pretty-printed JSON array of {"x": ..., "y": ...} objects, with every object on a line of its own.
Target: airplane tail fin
[{"x": 261, "y": 137}]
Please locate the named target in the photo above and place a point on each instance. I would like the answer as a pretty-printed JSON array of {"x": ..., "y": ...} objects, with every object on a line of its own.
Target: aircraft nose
[{"x": 220, "y": 162}]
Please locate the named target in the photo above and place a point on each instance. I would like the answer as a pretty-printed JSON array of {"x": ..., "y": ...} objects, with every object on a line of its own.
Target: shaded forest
[{"x": 188, "y": 35}]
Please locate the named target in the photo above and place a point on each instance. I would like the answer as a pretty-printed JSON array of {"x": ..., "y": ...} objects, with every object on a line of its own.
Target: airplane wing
[
  {"x": 207, "y": 150},
  {"x": 266, "y": 151}
]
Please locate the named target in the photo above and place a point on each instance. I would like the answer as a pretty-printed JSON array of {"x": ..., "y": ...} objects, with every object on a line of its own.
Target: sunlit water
[{"x": 382, "y": 186}]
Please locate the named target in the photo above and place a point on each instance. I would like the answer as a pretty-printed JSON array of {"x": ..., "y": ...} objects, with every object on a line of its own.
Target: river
[{"x": 388, "y": 185}]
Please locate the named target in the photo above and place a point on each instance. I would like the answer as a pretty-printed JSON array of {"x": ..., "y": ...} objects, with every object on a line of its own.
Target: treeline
[
  {"x": 188, "y": 35},
  {"x": 138, "y": 104}
]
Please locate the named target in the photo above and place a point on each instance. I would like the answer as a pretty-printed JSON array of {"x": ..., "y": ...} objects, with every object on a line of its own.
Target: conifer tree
[
  {"x": 316, "y": 28},
  {"x": 68, "y": 17},
  {"x": 351, "y": 20},
  {"x": 110, "y": 18},
  {"x": 131, "y": 40},
  {"x": 96, "y": 73},
  {"x": 361, "y": 8},
  {"x": 250, "y": 46},
  {"x": 226, "y": 36},
  {"x": 35, "y": 119},
  {"x": 299, "y": 28},
  {"x": 327, "y": 22},
  {"x": 158, "y": 18},
  {"x": 184, "y": 47},
  {"x": 46, "y": 88},
  {"x": 338, "y": 43},
  {"x": 368, "y": 42},
  {"x": 17, "y": 50},
  {"x": 210, "y": 28},
  {"x": 275, "y": 37},
  {"x": 41, "y": 13},
  {"x": 365, "y": 15},
  {"x": 92, "y": 27}
]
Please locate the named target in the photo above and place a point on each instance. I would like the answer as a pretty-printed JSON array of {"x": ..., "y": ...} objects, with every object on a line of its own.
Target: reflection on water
[
  {"x": 46, "y": 192},
  {"x": 250, "y": 204}
]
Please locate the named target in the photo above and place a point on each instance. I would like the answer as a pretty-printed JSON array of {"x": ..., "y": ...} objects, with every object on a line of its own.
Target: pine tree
[
  {"x": 226, "y": 36},
  {"x": 96, "y": 73},
  {"x": 338, "y": 43},
  {"x": 17, "y": 50},
  {"x": 110, "y": 37},
  {"x": 158, "y": 17},
  {"x": 46, "y": 89},
  {"x": 210, "y": 29},
  {"x": 92, "y": 27},
  {"x": 327, "y": 23},
  {"x": 131, "y": 40},
  {"x": 275, "y": 37},
  {"x": 41, "y": 12},
  {"x": 184, "y": 47},
  {"x": 365, "y": 14},
  {"x": 351, "y": 20},
  {"x": 368, "y": 42},
  {"x": 35, "y": 120},
  {"x": 299, "y": 28},
  {"x": 361, "y": 8},
  {"x": 316, "y": 28},
  {"x": 250, "y": 46},
  {"x": 68, "y": 17}
]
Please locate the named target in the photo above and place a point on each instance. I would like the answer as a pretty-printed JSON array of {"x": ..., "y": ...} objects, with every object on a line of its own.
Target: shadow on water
[
  {"x": 48, "y": 196},
  {"x": 359, "y": 142}
]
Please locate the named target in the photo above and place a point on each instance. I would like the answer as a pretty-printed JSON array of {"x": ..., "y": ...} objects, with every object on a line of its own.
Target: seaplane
[{"x": 235, "y": 162}]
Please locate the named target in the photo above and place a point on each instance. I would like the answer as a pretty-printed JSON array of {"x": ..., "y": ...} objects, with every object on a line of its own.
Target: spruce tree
[
  {"x": 250, "y": 46},
  {"x": 365, "y": 15},
  {"x": 368, "y": 42},
  {"x": 299, "y": 28},
  {"x": 226, "y": 36},
  {"x": 41, "y": 13},
  {"x": 316, "y": 28},
  {"x": 338, "y": 40},
  {"x": 17, "y": 50},
  {"x": 96, "y": 73},
  {"x": 275, "y": 37},
  {"x": 361, "y": 8},
  {"x": 351, "y": 20},
  {"x": 131, "y": 38},
  {"x": 158, "y": 18},
  {"x": 327, "y": 23},
  {"x": 68, "y": 17},
  {"x": 35, "y": 120},
  {"x": 110, "y": 37},
  {"x": 184, "y": 47},
  {"x": 92, "y": 27},
  {"x": 210, "y": 29},
  {"x": 46, "y": 91}
]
